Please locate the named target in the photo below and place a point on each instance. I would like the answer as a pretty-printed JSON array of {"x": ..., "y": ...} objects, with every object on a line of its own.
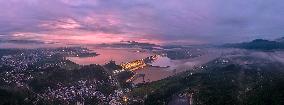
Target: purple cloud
[{"x": 186, "y": 21}]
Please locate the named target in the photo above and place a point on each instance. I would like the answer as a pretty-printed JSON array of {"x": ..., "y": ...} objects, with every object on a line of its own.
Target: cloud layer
[{"x": 159, "y": 21}]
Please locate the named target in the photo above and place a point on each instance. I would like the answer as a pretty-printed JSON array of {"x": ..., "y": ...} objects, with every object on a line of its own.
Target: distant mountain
[
  {"x": 259, "y": 44},
  {"x": 280, "y": 40},
  {"x": 22, "y": 41},
  {"x": 130, "y": 44},
  {"x": 137, "y": 43}
]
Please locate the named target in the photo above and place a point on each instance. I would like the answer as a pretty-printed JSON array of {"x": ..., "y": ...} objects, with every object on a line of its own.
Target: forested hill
[{"x": 259, "y": 44}]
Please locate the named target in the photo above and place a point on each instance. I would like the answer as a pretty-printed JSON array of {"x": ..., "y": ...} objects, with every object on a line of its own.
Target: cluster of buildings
[
  {"x": 82, "y": 89},
  {"x": 134, "y": 65},
  {"x": 137, "y": 64},
  {"x": 41, "y": 58},
  {"x": 75, "y": 92},
  {"x": 20, "y": 62},
  {"x": 25, "y": 62},
  {"x": 17, "y": 79},
  {"x": 17, "y": 66}
]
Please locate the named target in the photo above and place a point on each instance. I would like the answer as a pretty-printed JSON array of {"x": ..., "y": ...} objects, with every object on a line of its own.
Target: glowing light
[{"x": 125, "y": 99}]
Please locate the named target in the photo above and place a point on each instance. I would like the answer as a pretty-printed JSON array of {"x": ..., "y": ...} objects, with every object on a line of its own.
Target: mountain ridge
[{"x": 259, "y": 44}]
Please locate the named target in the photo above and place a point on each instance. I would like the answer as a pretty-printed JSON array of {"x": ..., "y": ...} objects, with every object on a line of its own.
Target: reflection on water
[
  {"x": 152, "y": 74},
  {"x": 106, "y": 54},
  {"x": 159, "y": 71},
  {"x": 161, "y": 68},
  {"x": 168, "y": 64},
  {"x": 162, "y": 62}
]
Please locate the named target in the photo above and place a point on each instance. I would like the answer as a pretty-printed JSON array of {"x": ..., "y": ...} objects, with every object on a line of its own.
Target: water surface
[{"x": 119, "y": 55}]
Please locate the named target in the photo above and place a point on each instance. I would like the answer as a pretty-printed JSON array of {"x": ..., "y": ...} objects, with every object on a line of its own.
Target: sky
[{"x": 154, "y": 21}]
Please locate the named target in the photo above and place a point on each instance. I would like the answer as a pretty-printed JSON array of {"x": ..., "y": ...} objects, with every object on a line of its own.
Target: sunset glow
[{"x": 100, "y": 21}]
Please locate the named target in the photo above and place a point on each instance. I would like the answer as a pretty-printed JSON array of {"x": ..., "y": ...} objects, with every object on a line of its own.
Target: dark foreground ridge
[{"x": 225, "y": 81}]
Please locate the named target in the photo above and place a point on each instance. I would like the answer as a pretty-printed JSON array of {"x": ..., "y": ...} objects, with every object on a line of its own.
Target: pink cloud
[{"x": 66, "y": 23}]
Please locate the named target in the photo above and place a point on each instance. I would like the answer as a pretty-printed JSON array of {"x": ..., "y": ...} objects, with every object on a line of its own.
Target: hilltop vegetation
[
  {"x": 259, "y": 44},
  {"x": 220, "y": 83}
]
